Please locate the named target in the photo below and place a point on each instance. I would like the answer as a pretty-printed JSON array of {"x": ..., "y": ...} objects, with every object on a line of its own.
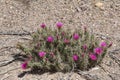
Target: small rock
[
  {"x": 99, "y": 5},
  {"x": 95, "y": 68}
]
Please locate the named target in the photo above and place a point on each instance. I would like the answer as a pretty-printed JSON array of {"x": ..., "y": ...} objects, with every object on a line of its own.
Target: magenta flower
[
  {"x": 50, "y": 39},
  {"x": 24, "y": 65},
  {"x": 75, "y": 57},
  {"x": 66, "y": 41},
  {"x": 93, "y": 57},
  {"x": 103, "y": 44},
  {"x": 59, "y": 24},
  {"x": 42, "y": 54},
  {"x": 43, "y": 25},
  {"x": 98, "y": 50},
  {"x": 85, "y": 47},
  {"x": 76, "y": 36}
]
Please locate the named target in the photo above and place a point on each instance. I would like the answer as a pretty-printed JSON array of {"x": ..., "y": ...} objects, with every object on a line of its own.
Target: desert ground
[{"x": 18, "y": 18}]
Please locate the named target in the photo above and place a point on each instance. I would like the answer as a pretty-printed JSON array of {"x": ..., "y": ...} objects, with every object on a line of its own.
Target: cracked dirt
[{"x": 18, "y": 18}]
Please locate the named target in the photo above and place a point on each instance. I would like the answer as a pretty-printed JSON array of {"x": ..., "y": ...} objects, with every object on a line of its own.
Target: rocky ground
[{"x": 18, "y": 18}]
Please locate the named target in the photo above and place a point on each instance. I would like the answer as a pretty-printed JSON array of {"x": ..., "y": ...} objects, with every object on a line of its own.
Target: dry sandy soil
[{"x": 18, "y": 18}]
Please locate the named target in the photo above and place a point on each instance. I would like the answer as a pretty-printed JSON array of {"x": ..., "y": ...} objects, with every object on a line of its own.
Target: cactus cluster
[{"x": 62, "y": 49}]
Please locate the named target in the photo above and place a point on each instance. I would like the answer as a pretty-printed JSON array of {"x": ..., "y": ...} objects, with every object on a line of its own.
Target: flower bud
[
  {"x": 43, "y": 25},
  {"x": 42, "y": 54},
  {"x": 59, "y": 25},
  {"x": 93, "y": 57},
  {"x": 75, "y": 57},
  {"x": 24, "y": 65},
  {"x": 76, "y": 36},
  {"x": 50, "y": 39}
]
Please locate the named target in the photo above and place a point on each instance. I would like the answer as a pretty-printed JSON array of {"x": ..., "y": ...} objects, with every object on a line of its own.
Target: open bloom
[
  {"x": 98, "y": 50},
  {"x": 59, "y": 24},
  {"x": 50, "y": 39},
  {"x": 103, "y": 44},
  {"x": 43, "y": 25},
  {"x": 42, "y": 54},
  {"x": 93, "y": 57},
  {"x": 76, "y": 36},
  {"x": 75, "y": 57},
  {"x": 24, "y": 65}
]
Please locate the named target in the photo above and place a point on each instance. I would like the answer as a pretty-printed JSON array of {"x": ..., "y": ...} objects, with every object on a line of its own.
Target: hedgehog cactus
[{"x": 59, "y": 49}]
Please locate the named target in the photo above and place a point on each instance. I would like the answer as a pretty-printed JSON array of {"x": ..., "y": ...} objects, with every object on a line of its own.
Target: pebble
[{"x": 99, "y": 4}]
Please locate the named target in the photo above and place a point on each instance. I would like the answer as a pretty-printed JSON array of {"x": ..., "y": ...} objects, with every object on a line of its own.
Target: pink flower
[
  {"x": 98, "y": 50},
  {"x": 66, "y": 41},
  {"x": 59, "y": 24},
  {"x": 93, "y": 57},
  {"x": 75, "y": 57},
  {"x": 103, "y": 44},
  {"x": 42, "y": 54},
  {"x": 76, "y": 36},
  {"x": 85, "y": 47},
  {"x": 24, "y": 65},
  {"x": 43, "y": 25},
  {"x": 50, "y": 39}
]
